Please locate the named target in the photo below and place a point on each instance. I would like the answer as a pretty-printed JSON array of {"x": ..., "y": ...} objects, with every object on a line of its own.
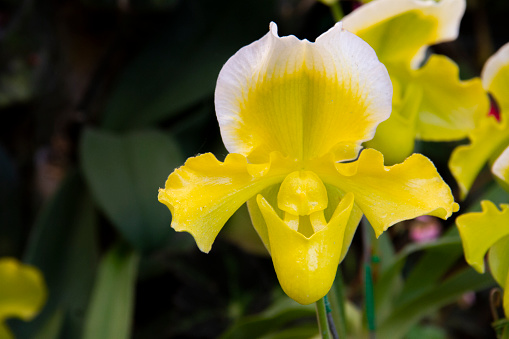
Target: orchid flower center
[{"x": 303, "y": 198}]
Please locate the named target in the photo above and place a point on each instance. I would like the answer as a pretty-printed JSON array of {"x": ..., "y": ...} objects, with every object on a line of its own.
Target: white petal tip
[
  {"x": 273, "y": 29},
  {"x": 339, "y": 25},
  {"x": 494, "y": 64}
]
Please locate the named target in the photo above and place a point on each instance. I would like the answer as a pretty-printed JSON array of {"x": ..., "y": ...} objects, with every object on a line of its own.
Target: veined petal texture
[
  {"x": 301, "y": 98},
  {"x": 204, "y": 193},
  {"x": 389, "y": 194}
]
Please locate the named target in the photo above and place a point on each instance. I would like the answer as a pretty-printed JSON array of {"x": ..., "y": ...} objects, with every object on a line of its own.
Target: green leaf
[
  {"x": 64, "y": 247},
  {"x": 388, "y": 286},
  {"x": 440, "y": 258},
  {"x": 111, "y": 307},
  {"x": 389, "y": 282},
  {"x": 124, "y": 174},
  {"x": 281, "y": 314},
  {"x": 428, "y": 332},
  {"x": 493, "y": 193},
  {"x": 408, "y": 314}
]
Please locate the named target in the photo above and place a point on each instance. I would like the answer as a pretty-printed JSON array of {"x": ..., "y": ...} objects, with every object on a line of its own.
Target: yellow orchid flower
[
  {"x": 491, "y": 136},
  {"x": 430, "y": 102},
  {"x": 293, "y": 115},
  {"x": 22, "y": 293},
  {"x": 489, "y": 229}
]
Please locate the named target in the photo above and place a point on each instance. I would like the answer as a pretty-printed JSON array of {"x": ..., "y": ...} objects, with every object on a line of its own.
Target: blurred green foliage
[
  {"x": 141, "y": 159},
  {"x": 101, "y": 100}
]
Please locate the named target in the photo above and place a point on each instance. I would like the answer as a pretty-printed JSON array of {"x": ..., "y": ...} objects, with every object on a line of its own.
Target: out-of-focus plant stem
[
  {"x": 321, "y": 315},
  {"x": 330, "y": 320},
  {"x": 368, "y": 278},
  {"x": 337, "y": 11},
  {"x": 337, "y": 301}
]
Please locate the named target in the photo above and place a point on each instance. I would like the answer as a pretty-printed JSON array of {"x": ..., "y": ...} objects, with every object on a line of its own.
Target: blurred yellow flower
[
  {"x": 483, "y": 231},
  {"x": 22, "y": 293},
  {"x": 488, "y": 230},
  {"x": 293, "y": 115},
  {"x": 489, "y": 141},
  {"x": 429, "y": 102}
]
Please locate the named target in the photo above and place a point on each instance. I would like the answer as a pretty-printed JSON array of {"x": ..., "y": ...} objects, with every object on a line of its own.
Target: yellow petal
[
  {"x": 395, "y": 137},
  {"x": 334, "y": 197},
  {"x": 501, "y": 166},
  {"x": 270, "y": 194},
  {"x": 481, "y": 230},
  {"x": 486, "y": 141},
  {"x": 498, "y": 259},
  {"x": 449, "y": 107},
  {"x": 433, "y": 104},
  {"x": 306, "y": 267},
  {"x": 204, "y": 193},
  {"x": 302, "y": 193},
  {"x": 301, "y": 98},
  {"x": 488, "y": 230},
  {"x": 5, "y": 332},
  {"x": 387, "y": 195},
  {"x": 490, "y": 137},
  {"x": 400, "y": 30},
  {"x": 22, "y": 291}
]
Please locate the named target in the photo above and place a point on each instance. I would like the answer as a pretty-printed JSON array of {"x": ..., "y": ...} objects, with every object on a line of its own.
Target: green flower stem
[
  {"x": 500, "y": 325},
  {"x": 368, "y": 278},
  {"x": 337, "y": 302},
  {"x": 330, "y": 321},
  {"x": 337, "y": 11},
  {"x": 321, "y": 315},
  {"x": 370, "y": 298}
]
